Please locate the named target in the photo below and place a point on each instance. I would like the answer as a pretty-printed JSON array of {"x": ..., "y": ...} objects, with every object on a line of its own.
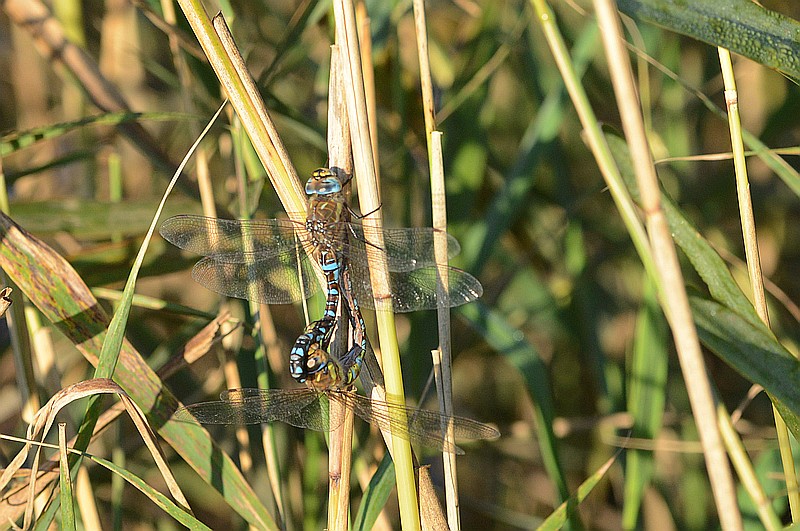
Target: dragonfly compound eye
[{"x": 323, "y": 182}]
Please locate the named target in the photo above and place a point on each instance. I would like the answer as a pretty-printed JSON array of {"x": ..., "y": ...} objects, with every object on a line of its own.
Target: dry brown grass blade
[
  {"x": 341, "y": 438},
  {"x": 199, "y": 345},
  {"x": 43, "y": 422}
]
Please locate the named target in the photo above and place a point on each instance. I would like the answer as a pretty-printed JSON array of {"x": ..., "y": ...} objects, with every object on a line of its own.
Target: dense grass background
[{"x": 566, "y": 341}]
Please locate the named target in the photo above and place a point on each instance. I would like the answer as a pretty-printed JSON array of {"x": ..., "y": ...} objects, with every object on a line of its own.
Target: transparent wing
[
  {"x": 417, "y": 289},
  {"x": 232, "y": 237},
  {"x": 303, "y": 408},
  {"x": 306, "y": 408},
  {"x": 417, "y": 425},
  {"x": 269, "y": 280},
  {"x": 406, "y": 249},
  {"x": 244, "y": 241}
]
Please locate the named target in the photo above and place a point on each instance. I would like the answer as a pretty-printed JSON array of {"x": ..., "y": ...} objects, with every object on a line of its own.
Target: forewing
[
  {"x": 417, "y": 289},
  {"x": 406, "y": 249},
  {"x": 233, "y": 238}
]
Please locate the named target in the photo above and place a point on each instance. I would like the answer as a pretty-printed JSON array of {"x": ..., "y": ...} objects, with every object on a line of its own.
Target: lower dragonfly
[{"x": 308, "y": 408}]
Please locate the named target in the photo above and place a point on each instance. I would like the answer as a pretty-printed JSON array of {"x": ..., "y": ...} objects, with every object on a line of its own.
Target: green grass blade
[
  {"x": 375, "y": 496},
  {"x": 754, "y": 352},
  {"x": 646, "y": 399},
  {"x": 559, "y": 517},
  {"x": 742, "y": 26},
  {"x": 65, "y": 483},
  {"x": 17, "y": 140}
]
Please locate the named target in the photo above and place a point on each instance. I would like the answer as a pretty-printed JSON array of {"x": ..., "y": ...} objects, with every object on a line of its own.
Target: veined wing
[
  {"x": 232, "y": 237},
  {"x": 406, "y": 249},
  {"x": 417, "y": 425},
  {"x": 417, "y": 289},
  {"x": 299, "y": 407},
  {"x": 232, "y": 240},
  {"x": 268, "y": 280},
  {"x": 306, "y": 408}
]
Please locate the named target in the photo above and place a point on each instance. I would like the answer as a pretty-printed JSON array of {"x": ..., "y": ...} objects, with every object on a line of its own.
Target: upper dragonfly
[{"x": 268, "y": 260}]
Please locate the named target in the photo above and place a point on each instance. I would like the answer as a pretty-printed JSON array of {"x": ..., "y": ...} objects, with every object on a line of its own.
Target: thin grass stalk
[
  {"x": 232, "y": 376},
  {"x": 67, "y": 500},
  {"x": 86, "y": 503},
  {"x": 425, "y": 80},
  {"x": 119, "y": 459},
  {"x": 269, "y": 349},
  {"x": 364, "y": 165},
  {"x": 746, "y": 472},
  {"x": 204, "y": 184},
  {"x": 754, "y": 261},
  {"x": 442, "y": 359},
  {"x": 367, "y": 69},
  {"x": 674, "y": 297},
  {"x": 365, "y": 45},
  {"x": 185, "y": 77},
  {"x": 340, "y": 453}
]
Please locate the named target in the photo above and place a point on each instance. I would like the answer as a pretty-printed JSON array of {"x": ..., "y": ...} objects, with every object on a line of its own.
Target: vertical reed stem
[
  {"x": 341, "y": 440},
  {"x": 673, "y": 294},
  {"x": 754, "y": 261},
  {"x": 364, "y": 165}
]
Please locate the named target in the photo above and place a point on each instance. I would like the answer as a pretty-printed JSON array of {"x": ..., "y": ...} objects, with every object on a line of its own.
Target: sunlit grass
[{"x": 567, "y": 352}]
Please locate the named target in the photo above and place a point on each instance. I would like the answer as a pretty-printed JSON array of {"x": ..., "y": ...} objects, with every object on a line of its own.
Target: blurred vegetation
[{"x": 567, "y": 344}]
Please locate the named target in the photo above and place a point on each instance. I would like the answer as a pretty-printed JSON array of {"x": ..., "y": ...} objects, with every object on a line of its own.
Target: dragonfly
[
  {"x": 260, "y": 260},
  {"x": 308, "y": 408},
  {"x": 272, "y": 261}
]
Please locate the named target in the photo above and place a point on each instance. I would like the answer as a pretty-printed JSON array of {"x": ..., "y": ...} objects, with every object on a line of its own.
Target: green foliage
[{"x": 567, "y": 351}]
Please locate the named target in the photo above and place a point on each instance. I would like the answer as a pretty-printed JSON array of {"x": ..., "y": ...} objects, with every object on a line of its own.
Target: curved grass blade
[{"x": 559, "y": 517}]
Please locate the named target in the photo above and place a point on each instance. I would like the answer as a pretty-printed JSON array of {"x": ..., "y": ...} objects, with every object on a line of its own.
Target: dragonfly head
[{"x": 323, "y": 182}]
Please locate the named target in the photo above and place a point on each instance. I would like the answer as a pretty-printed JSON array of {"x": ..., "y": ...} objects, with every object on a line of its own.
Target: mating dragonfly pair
[{"x": 272, "y": 262}]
